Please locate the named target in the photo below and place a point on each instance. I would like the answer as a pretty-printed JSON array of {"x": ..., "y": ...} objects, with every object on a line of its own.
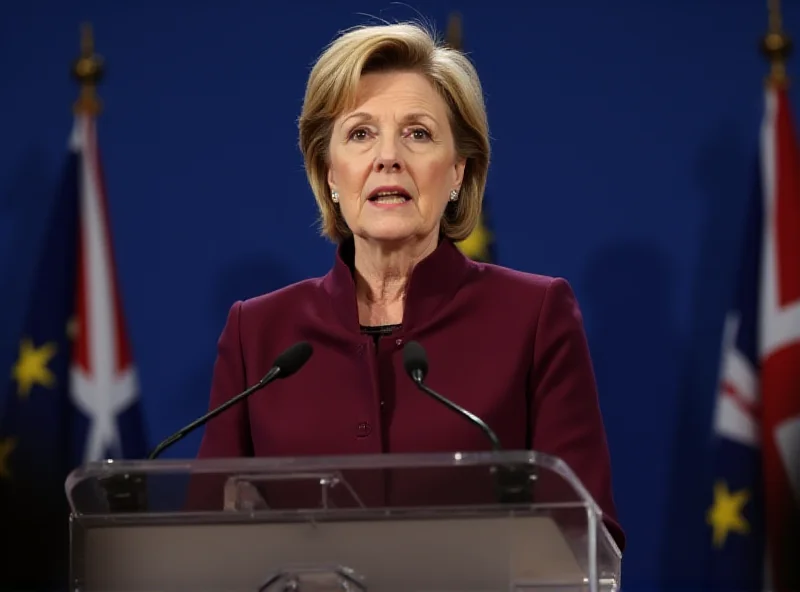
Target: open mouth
[{"x": 389, "y": 197}]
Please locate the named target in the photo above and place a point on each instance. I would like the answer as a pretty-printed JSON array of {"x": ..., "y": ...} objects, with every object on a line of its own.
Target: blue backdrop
[{"x": 629, "y": 126}]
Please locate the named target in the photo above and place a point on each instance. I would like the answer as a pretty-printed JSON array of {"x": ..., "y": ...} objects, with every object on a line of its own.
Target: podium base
[{"x": 333, "y": 578}]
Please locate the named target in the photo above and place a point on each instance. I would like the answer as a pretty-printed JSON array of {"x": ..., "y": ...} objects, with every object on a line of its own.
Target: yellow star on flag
[
  {"x": 476, "y": 245},
  {"x": 725, "y": 515},
  {"x": 31, "y": 367},
  {"x": 6, "y": 446}
]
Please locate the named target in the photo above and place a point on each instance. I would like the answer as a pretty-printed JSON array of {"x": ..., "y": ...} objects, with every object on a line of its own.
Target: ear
[
  {"x": 331, "y": 181},
  {"x": 460, "y": 165}
]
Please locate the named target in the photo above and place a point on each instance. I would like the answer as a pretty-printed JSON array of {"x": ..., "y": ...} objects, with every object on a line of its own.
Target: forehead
[{"x": 397, "y": 91}]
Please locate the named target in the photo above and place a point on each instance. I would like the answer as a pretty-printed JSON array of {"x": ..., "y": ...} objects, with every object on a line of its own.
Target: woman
[{"x": 395, "y": 140}]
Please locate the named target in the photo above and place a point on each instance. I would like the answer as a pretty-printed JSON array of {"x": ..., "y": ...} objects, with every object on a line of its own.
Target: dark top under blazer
[{"x": 508, "y": 346}]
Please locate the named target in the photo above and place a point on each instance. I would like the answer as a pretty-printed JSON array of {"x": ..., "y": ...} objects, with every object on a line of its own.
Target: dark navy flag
[
  {"x": 67, "y": 402},
  {"x": 36, "y": 416},
  {"x": 735, "y": 518},
  {"x": 754, "y": 517},
  {"x": 480, "y": 244}
]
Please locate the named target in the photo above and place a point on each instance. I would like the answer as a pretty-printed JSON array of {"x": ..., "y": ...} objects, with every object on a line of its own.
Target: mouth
[{"x": 389, "y": 197}]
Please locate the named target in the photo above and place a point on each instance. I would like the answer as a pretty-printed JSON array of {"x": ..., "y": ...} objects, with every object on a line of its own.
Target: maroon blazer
[{"x": 508, "y": 346}]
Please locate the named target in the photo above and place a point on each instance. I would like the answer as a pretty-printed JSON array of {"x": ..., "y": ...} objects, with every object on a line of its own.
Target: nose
[{"x": 388, "y": 157}]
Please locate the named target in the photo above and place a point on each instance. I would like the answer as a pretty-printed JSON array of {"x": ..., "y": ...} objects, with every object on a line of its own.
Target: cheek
[
  {"x": 436, "y": 177},
  {"x": 348, "y": 174}
]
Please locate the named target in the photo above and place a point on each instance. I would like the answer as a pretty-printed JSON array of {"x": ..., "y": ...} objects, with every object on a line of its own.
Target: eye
[
  {"x": 359, "y": 134},
  {"x": 419, "y": 133}
]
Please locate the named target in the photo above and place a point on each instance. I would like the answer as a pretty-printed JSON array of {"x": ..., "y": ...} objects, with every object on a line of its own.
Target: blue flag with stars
[
  {"x": 35, "y": 412},
  {"x": 73, "y": 395},
  {"x": 755, "y": 515},
  {"x": 480, "y": 244},
  {"x": 735, "y": 520}
]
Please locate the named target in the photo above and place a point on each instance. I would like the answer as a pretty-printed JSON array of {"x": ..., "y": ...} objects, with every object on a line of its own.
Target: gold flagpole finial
[
  {"x": 88, "y": 70},
  {"x": 776, "y": 45},
  {"x": 454, "y": 31}
]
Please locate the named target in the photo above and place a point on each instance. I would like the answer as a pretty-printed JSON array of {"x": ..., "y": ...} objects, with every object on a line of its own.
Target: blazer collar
[{"x": 433, "y": 283}]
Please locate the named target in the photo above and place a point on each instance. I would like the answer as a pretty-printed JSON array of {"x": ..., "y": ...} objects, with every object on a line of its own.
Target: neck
[{"x": 382, "y": 274}]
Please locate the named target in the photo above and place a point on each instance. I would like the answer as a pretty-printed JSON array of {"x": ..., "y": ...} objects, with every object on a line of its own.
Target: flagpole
[
  {"x": 88, "y": 70},
  {"x": 454, "y": 31},
  {"x": 777, "y": 46}
]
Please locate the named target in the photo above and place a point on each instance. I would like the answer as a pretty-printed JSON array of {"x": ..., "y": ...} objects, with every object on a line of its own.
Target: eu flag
[
  {"x": 73, "y": 393},
  {"x": 735, "y": 517},
  {"x": 35, "y": 411},
  {"x": 754, "y": 518},
  {"x": 480, "y": 244}
]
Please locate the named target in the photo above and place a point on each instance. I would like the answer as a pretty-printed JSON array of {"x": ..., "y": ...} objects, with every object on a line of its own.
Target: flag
[
  {"x": 754, "y": 517},
  {"x": 73, "y": 393},
  {"x": 479, "y": 245},
  {"x": 103, "y": 376}
]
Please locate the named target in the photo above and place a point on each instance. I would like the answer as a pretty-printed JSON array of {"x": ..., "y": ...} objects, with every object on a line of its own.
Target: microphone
[
  {"x": 128, "y": 492},
  {"x": 286, "y": 364},
  {"x": 415, "y": 361},
  {"x": 514, "y": 484}
]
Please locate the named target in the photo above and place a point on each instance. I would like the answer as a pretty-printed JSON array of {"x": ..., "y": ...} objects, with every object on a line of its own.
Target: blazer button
[
  {"x": 363, "y": 430},
  {"x": 398, "y": 342}
]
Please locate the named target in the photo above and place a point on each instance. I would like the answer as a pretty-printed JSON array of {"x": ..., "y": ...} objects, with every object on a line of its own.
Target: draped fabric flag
[
  {"x": 755, "y": 514},
  {"x": 73, "y": 395},
  {"x": 479, "y": 245}
]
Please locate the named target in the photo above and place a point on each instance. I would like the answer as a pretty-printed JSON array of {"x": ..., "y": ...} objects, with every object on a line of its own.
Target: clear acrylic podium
[{"x": 384, "y": 523}]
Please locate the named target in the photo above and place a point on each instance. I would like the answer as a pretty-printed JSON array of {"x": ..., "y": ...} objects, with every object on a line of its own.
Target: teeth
[{"x": 389, "y": 197}]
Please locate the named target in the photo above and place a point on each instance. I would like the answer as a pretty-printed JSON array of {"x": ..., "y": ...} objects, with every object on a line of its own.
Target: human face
[{"x": 397, "y": 139}]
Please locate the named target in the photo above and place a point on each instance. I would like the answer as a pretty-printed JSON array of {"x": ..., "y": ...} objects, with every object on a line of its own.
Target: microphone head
[
  {"x": 293, "y": 358},
  {"x": 415, "y": 360}
]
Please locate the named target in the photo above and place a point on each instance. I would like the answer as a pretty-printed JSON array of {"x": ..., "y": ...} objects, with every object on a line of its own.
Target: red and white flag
[
  {"x": 779, "y": 341},
  {"x": 103, "y": 376}
]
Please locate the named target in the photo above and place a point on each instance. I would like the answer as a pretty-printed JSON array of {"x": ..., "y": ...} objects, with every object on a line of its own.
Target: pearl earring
[
  {"x": 335, "y": 196},
  {"x": 454, "y": 195}
]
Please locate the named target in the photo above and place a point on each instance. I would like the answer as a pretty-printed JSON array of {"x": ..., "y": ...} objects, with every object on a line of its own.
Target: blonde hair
[{"x": 331, "y": 90}]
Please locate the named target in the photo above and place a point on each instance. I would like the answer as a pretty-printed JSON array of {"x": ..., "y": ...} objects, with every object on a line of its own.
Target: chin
[
  {"x": 391, "y": 234},
  {"x": 392, "y": 239}
]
